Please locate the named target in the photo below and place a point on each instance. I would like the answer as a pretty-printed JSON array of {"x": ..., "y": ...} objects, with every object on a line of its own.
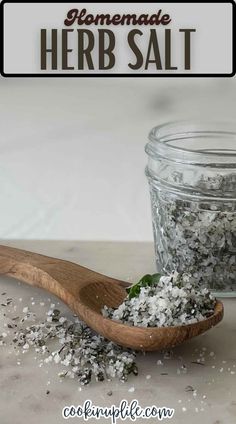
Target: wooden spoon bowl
[{"x": 86, "y": 292}]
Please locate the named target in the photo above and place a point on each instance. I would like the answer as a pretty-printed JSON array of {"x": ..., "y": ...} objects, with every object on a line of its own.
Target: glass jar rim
[{"x": 161, "y": 136}]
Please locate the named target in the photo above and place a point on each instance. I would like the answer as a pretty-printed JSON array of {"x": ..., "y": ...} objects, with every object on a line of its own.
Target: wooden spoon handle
[{"x": 55, "y": 275}]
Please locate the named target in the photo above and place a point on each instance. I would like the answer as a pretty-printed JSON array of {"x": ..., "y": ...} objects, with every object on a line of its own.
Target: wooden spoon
[{"x": 86, "y": 292}]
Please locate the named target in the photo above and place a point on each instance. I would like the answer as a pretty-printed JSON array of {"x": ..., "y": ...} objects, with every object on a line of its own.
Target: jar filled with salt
[{"x": 192, "y": 178}]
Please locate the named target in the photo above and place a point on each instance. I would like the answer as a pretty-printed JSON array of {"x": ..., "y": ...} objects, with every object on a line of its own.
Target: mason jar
[{"x": 192, "y": 178}]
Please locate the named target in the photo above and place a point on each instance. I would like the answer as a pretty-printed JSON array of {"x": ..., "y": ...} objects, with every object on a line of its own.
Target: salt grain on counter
[{"x": 26, "y": 346}]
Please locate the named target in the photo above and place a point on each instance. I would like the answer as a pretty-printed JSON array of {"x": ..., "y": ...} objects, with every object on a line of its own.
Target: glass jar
[{"x": 192, "y": 177}]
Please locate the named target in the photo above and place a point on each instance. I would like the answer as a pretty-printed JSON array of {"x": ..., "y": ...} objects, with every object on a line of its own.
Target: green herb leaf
[{"x": 146, "y": 281}]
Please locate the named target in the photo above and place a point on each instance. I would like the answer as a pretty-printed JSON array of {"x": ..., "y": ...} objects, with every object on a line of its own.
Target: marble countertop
[{"x": 23, "y": 387}]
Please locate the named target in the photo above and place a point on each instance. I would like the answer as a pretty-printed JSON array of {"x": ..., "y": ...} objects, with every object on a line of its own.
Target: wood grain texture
[{"x": 86, "y": 292}]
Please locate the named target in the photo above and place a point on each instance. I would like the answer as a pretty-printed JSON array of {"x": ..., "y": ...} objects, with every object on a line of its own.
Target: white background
[
  {"x": 72, "y": 151},
  {"x": 211, "y": 44}
]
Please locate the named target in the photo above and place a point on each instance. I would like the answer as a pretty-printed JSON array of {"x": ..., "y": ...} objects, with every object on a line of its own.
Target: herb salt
[
  {"x": 192, "y": 177},
  {"x": 169, "y": 301}
]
